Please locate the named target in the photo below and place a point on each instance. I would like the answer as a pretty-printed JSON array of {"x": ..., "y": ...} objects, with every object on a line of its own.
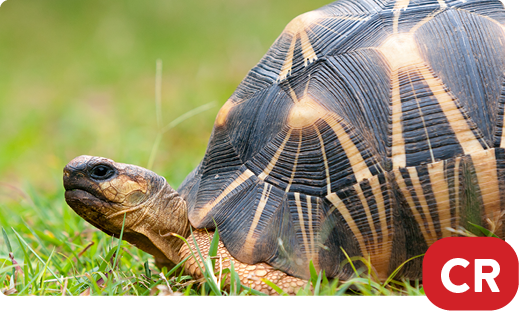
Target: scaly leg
[{"x": 251, "y": 275}]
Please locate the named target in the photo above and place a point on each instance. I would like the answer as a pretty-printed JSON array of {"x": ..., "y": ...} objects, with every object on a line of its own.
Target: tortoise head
[{"x": 105, "y": 193}]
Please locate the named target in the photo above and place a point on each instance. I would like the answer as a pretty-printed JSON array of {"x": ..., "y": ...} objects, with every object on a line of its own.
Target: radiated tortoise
[{"x": 370, "y": 128}]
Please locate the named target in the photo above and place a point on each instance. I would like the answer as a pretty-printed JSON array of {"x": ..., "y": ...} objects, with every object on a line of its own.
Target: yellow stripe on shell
[
  {"x": 370, "y": 221},
  {"x": 381, "y": 260},
  {"x": 311, "y": 234},
  {"x": 360, "y": 168},
  {"x": 422, "y": 118},
  {"x": 249, "y": 243},
  {"x": 398, "y": 6},
  {"x": 295, "y": 163},
  {"x": 326, "y": 166},
  {"x": 428, "y": 235},
  {"x": 486, "y": 171},
  {"x": 275, "y": 158},
  {"x": 340, "y": 206},
  {"x": 457, "y": 189},
  {"x": 288, "y": 62},
  {"x": 440, "y": 191},
  {"x": 201, "y": 213},
  {"x": 455, "y": 117},
  {"x": 400, "y": 50},
  {"x": 307, "y": 49},
  {"x": 417, "y": 185},
  {"x": 302, "y": 225},
  {"x": 298, "y": 27},
  {"x": 398, "y": 142}
]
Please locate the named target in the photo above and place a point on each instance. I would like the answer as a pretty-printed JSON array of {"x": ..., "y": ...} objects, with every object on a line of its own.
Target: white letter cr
[
  {"x": 445, "y": 275},
  {"x": 479, "y": 276}
]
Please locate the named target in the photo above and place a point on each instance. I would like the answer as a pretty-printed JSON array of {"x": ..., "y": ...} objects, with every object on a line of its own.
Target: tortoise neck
[{"x": 167, "y": 217}]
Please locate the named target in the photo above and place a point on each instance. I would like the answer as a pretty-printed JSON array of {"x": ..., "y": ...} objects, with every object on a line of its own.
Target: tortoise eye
[{"x": 101, "y": 172}]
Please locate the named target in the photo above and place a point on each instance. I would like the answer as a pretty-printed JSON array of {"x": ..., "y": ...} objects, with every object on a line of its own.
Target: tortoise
[{"x": 370, "y": 128}]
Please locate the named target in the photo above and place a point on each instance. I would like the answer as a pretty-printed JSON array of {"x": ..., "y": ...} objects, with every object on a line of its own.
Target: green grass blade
[
  {"x": 318, "y": 285},
  {"x": 390, "y": 278},
  {"x": 175, "y": 268},
  {"x": 485, "y": 231},
  {"x": 208, "y": 272},
  {"x": 153, "y": 153},
  {"x": 312, "y": 273},
  {"x": 42, "y": 275},
  {"x": 253, "y": 291},
  {"x": 189, "y": 114},
  {"x": 42, "y": 245},
  {"x": 234, "y": 287},
  {"x": 158, "y": 83},
  {"x": 350, "y": 262},
  {"x": 38, "y": 257},
  {"x": 6, "y": 268},
  {"x": 6, "y": 239},
  {"x": 27, "y": 259},
  {"x": 275, "y": 287},
  {"x": 9, "y": 249},
  {"x": 148, "y": 273},
  {"x": 214, "y": 245},
  {"x": 27, "y": 285},
  {"x": 120, "y": 241},
  {"x": 173, "y": 124},
  {"x": 343, "y": 288}
]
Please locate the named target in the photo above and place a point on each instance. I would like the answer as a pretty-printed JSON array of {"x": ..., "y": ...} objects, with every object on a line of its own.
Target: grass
[{"x": 49, "y": 250}]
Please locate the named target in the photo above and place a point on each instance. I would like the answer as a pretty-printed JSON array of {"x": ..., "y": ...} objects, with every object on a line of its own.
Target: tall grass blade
[
  {"x": 159, "y": 114},
  {"x": 188, "y": 115},
  {"x": 37, "y": 256},
  {"x": 393, "y": 274},
  {"x": 159, "y": 76},
  {"x": 312, "y": 273},
  {"x": 42, "y": 275},
  {"x": 350, "y": 262},
  {"x": 27, "y": 261},
  {"x": 148, "y": 273},
  {"x": 214, "y": 245},
  {"x": 6, "y": 239},
  {"x": 274, "y": 287},
  {"x": 153, "y": 153},
  {"x": 485, "y": 231},
  {"x": 120, "y": 241},
  {"x": 317, "y": 286},
  {"x": 9, "y": 249},
  {"x": 42, "y": 245},
  {"x": 234, "y": 284}
]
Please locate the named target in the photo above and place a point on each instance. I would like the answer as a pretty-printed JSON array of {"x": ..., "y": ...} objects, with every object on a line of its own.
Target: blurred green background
[{"x": 77, "y": 77}]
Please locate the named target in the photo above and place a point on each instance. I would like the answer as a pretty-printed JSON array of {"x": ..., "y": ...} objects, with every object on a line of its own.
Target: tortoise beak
[{"x": 75, "y": 171}]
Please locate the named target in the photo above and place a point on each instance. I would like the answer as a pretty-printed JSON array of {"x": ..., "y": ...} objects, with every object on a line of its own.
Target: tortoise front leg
[{"x": 251, "y": 275}]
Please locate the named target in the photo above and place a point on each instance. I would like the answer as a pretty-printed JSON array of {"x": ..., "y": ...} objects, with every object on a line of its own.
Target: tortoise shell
[{"x": 370, "y": 128}]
